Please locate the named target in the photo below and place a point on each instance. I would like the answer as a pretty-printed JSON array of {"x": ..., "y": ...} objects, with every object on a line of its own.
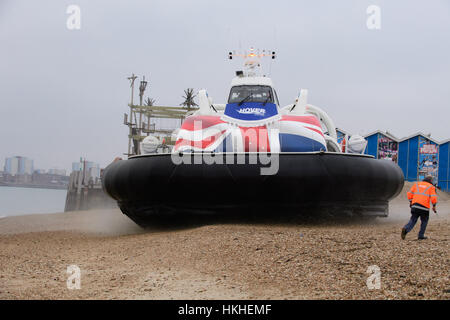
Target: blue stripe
[
  {"x": 296, "y": 143},
  {"x": 225, "y": 145}
]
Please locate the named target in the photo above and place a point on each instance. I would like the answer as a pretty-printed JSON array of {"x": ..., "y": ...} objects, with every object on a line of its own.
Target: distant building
[
  {"x": 25, "y": 166},
  {"x": 11, "y": 166},
  {"x": 18, "y": 165},
  {"x": 76, "y": 166},
  {"x": 92, "y": 169},
  {"x": 58, "y": 172}
]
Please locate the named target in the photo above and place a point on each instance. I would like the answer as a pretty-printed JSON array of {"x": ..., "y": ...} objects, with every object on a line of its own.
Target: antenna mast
[
  {"x": 252, "y": 59},
  {"x": 130, "y": 124}
]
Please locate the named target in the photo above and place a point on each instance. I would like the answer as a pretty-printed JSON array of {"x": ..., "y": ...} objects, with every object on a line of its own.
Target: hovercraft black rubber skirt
[{"x": 305, "y": 183}]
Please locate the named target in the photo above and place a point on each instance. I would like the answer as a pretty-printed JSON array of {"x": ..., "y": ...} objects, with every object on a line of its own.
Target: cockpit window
[
  {"x": 247, "y": 93},
  {"x": 276, "y": 97}
]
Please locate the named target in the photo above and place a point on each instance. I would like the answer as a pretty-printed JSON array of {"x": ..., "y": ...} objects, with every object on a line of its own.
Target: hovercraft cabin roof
[{"x": 242, "y": 81}]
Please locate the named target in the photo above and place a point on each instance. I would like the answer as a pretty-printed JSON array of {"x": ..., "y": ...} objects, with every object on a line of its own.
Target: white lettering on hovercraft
[{"x": 255, "y": 111}]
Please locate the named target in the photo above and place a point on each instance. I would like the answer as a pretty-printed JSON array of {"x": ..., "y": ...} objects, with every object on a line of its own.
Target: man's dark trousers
[{"x": 415, "y": 214}]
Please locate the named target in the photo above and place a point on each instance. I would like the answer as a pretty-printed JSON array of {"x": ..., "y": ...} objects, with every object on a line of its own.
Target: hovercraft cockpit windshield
[
  {"x": 251, "y": 93},
  {"x": 252, "y": 102}
]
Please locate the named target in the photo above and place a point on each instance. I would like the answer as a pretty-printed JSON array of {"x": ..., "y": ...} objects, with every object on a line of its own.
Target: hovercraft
[{"x": 252, "y": 156}]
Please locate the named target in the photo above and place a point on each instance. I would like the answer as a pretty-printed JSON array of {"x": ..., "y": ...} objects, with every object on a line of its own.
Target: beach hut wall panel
[
  {"x": 408, "y": 156},
  {"x": 341, "y": 134},
  {"x": 382, "y": 146},
  {"x": 372, "y": 145},
  {"x": 418, "y": 157},
  {"x": 444, "y": 166}
]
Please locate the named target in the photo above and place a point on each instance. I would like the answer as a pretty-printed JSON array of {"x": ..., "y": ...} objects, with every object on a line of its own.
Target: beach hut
[
  {"x": 444, "y": 166},
  {"x": 418, "y": 156},
  {"x": 342, "y": 137},
  {"x": 382, "y": 145}
]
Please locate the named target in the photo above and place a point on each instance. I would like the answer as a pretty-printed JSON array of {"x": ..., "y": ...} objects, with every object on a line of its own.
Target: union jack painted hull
[{"x": 288, "y": 134}]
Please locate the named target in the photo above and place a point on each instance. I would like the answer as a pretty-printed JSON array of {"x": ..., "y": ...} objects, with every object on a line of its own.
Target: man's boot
[{"x": 403, "y": 233}]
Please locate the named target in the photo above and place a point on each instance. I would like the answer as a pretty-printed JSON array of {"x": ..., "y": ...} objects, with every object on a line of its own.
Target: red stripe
[
  {"x": 318, "y": 131},
  {"x": 305, "y": 119},
  {"x": 199, "y": 144},
  {"x": 205, "y": 122},
  {"x": 259, "y": 139}
]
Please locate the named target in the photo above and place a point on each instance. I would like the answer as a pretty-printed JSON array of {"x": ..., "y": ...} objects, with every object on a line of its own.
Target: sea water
[{"x": 19, "y": 201}]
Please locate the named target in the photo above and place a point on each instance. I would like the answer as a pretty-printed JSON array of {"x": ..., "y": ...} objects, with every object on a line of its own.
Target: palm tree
[
  {"x": 150, "y": 102},
  {"x": 189, "y": 98}
]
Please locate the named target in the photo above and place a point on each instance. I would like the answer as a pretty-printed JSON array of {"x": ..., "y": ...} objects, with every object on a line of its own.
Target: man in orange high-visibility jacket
[{"x": 420, "y": 196}]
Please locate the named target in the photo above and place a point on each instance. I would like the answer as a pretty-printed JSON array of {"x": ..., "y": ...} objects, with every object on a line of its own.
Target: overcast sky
[{"x": 63, "y": 92}]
